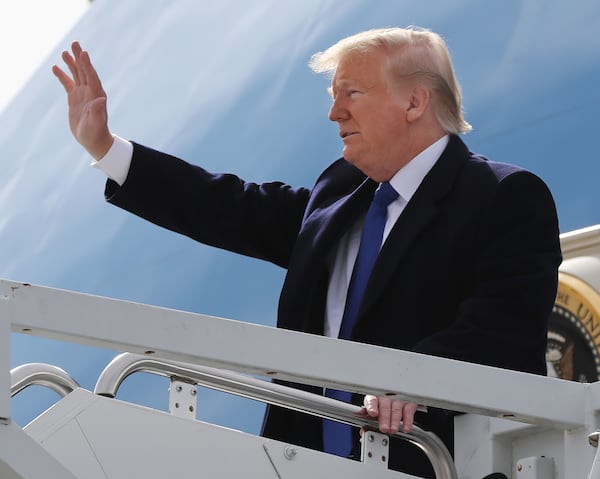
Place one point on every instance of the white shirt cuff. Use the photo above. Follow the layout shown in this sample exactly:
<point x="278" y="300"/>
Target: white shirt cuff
<point x="115" y="164"/>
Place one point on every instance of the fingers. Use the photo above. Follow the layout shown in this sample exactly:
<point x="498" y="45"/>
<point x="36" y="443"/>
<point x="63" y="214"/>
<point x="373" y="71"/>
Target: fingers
<point x="391" y="413"/>
<point x="76" y="48"/>
<point x="72" y="65"/>
<point x="80" y="62"/>
<point x="408" y="416"/>
<point x="371" y="405"/>
<point x="63" y="78"/>
<point x="396" y="415"/>
<point x="83" y="73"/>
<point x="89" y="74"/>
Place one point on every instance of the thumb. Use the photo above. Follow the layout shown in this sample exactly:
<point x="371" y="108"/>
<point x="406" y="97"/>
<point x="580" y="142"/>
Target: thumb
<point x="371" y="404"/>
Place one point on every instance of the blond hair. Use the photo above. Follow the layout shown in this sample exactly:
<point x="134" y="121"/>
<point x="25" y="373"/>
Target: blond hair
<point x="413" y="52"/>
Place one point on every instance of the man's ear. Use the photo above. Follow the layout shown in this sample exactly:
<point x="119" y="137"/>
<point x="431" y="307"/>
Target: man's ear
<point x="418" y="102"/>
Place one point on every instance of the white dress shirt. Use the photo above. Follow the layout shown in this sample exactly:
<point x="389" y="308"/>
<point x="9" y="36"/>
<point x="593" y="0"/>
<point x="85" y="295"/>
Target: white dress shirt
<point x="405" y="182"/>
<point x="115" y="164"/>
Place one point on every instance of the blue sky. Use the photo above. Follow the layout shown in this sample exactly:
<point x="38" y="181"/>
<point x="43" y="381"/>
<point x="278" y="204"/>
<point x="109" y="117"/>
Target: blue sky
<point x="227" y="86"/>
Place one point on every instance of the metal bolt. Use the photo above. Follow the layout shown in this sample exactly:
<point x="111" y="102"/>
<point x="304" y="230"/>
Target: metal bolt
<point x="290" y="452"/>
<point x="382" y="458"/>
<point x="191" y="408"/>
<point x="370" y="437"/>
<point x="178" y="389"/>
<point x="593" y="438"/>
<point x="519" y="467"/>
<point x="384" y="441"/>
<point x="193" y="392"/>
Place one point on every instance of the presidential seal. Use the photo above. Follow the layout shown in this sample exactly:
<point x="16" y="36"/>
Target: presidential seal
<point x="573" y="350"/>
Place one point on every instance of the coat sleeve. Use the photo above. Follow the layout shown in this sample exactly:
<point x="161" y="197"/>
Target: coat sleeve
<point x="221" y="210"/>
<point x="502" y="320"/>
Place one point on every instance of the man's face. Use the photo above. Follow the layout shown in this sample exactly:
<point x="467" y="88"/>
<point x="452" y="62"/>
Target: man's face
<point x="371" y="117"/>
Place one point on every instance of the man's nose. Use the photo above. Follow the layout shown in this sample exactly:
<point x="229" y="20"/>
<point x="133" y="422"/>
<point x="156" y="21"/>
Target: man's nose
<point x="338" y="111"/>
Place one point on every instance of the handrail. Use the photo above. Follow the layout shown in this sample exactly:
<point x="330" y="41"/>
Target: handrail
<point x="41" y="374"/>
<point x="128" y="363"/>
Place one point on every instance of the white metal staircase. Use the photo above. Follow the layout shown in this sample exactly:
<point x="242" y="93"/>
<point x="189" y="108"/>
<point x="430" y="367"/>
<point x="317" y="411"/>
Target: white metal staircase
<point x="518" y="424"/>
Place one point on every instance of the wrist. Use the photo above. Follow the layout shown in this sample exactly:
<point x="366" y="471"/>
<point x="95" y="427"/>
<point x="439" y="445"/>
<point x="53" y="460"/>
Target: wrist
<point x="101" y="148"/>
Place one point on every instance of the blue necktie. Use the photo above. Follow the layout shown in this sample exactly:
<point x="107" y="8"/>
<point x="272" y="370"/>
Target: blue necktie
<point x="337" y="437"/>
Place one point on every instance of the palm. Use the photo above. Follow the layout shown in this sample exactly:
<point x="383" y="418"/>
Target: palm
<point x="86" y="112"/>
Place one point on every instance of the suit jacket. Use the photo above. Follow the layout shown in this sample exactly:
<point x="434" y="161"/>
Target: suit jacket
<point x="469" y="271"/>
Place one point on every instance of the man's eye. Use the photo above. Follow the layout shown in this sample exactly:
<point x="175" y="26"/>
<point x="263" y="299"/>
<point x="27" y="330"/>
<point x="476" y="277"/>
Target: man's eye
<point x="353" y="92"/>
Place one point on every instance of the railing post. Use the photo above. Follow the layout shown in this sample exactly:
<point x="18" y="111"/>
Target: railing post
<point x="182" y="398"/>
<point x="4" y="370"/>
<point x="375" y="449"/>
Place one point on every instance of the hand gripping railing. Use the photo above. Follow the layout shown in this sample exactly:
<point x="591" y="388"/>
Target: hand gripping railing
<point x="125" y="364"/>
<point x="42" y="375"/>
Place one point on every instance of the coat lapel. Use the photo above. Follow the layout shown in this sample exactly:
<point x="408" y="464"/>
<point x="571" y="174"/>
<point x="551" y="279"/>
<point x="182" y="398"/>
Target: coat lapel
<point x="321" y="232"/>
<point x="324" y="227"/>
<point x="418" y="213"/>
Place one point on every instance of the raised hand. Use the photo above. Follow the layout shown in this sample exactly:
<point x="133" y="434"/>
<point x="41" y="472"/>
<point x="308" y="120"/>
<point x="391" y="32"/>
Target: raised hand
<point x="88" y="117"/>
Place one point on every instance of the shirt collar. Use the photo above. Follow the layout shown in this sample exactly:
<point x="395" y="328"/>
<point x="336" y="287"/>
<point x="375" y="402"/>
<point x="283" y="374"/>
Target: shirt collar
<point x="409" y="177"/>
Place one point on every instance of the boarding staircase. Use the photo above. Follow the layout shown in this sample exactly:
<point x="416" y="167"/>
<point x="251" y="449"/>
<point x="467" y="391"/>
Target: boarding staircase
<point x="517" y="425"/>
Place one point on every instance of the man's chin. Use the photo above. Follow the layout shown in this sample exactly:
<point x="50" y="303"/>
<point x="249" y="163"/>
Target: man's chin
<point x="350" y="156"/>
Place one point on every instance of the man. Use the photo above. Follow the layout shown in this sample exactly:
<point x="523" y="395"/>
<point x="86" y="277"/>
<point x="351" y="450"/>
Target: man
<point x="466" y="250"/>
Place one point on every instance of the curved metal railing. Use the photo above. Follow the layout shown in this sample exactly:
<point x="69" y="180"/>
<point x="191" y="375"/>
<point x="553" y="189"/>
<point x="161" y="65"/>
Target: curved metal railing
<point x="41" y="374"/>
<point x="128" y="363"/>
